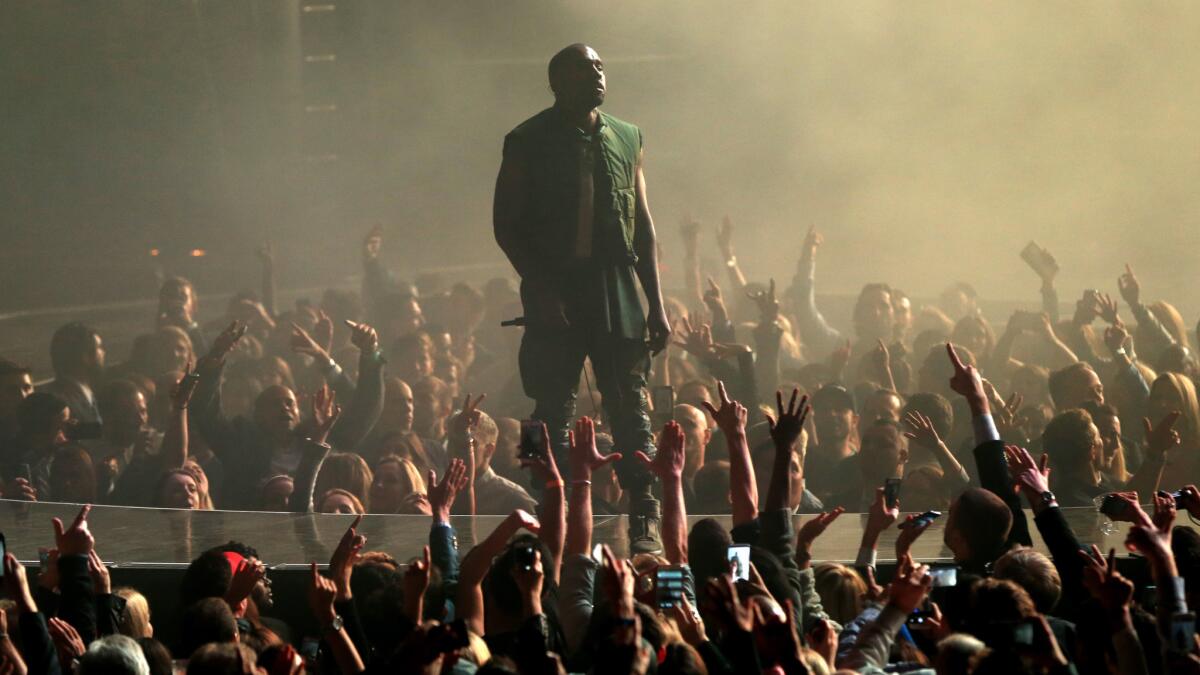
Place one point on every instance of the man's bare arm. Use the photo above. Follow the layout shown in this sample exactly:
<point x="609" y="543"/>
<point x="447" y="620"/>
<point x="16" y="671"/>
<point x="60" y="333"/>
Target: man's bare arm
<point x="645" y="247"/>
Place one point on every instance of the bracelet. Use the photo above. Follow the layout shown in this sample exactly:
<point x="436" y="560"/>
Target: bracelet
<point x="552" y="484"/>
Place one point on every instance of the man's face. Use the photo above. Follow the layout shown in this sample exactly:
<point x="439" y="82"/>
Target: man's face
<point x="882" y="407"/>
<point x="580" y="81"/>
<point x="276" y="410"/>
<point x="13" y="389"/>
<point x="696" y="435"/>
<point x="398" y="406"/>
<point x="873" y="315"/>
<point x="177" y="301"/>
<point x="902" y="315"/>
<point x="131" y="414"/>
<point x="426" y="408"/>
<point x="1084" y="386"/>
<point x="1109" y="427"/>
<point x="834" y="424"/>
<point x="883" y="454"/>
<point x="93" y="358"/>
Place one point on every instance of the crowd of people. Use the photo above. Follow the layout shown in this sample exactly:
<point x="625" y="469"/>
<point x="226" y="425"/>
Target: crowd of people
<point x="365" y="403"/>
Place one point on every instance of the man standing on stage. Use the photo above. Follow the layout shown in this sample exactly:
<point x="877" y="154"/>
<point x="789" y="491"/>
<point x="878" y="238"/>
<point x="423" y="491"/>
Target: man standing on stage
<point x="571" y="215"/>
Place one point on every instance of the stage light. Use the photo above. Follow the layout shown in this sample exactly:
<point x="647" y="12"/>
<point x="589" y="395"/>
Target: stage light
<point x="199" y="253"/>
<point x="153" y="253"/>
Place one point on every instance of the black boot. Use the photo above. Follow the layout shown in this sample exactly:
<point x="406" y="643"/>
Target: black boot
<point x="645" y="531"/>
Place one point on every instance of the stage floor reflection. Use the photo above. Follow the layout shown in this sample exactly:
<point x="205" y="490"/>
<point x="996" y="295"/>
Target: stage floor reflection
<point x="136" y="537"/>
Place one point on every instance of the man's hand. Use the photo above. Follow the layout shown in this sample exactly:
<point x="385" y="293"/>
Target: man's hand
<point x="812" y="241"/>
<point x="543" y="466"/>
<point x="529" y="583"/>
<point x="1100" y="577"/>
<point x="725" y="238"/>
<point x="363" y="337"/>
<point x="908" y="536"/>
<point x="1130" y="510"/>
<point x="809" y="532"/>
<point x="325" y="413"/>
<point x="714" y="301"/>
<point x="76" y="540"/>
<point x="520" y="519"/>
<point x="1154" y="542"/>
<point x="1031" y="478"/>
<point x="416" y="582"/>
<point x="689" y="623"/>
<point x="787" y="427"/>
<point x="1106" y="308"/>
<point x="303" y="343"/>
<point x="724" y="604"/>
<point x="909" y="588"/>
<point x="731" y="416"/>
<point x="921" y="430"/>
<point x="462" y="425"/>
<point x="101" y="581"/>
<point x="660" y="329"/>
<point x="16" y="585"/>
<point x="668" y="461"/>
<point x="1115" y="337"/>
<point x="345" y="557"/>
<point x="20" y="489"/>
<point x="583" y="456"/>
<point x="67" y="642"/>
<point x="225" y="342"/>
<point x="1189" y="500"/>
<point x="1161" y="437"/>
<point x="181" y="393"/>
<point x="1131" y="289"/>
<point x="442" y="495"/>
<point x="768" y="304"/>
<point x="879" y="518"/>
<point x="249" y="572"/>
<point x="967" y="383"/>
<point x="321" y="594"/>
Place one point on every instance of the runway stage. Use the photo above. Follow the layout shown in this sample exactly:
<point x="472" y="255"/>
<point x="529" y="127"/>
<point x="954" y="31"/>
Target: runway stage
<point x="140" y="537"/>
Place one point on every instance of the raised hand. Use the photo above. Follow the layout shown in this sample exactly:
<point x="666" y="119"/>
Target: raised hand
<point x="1130" y="510"/>
<point x="543" y="466"/>
<point x="768" y="304"/>
<point x="325" y="413"/>
<point x="879" y="516"/>
<point x="344" y="558"/>
<point x="76" y="540"/>
<point x="1154" y="541"/>
<point x="713" y="299"/>
<point x="521" y="519"/>
<point x="1106" y="308"/>
<point x="363" y="337"/>
<point x="908" y="536"/>
<point x="1031" y="478"/>
<point x="101" y="581"/>
<point x="619" y="578"/>
<point x="1161" y="437"/>
<point x="967" y="383"/>
<point x="266" y="254"/>
<point x="1007" y="416"/>
<point x="1189" y="500"/>
<point x="921" y="430"/>
<point x="583" y="455"/>
<point x="731" y="416"/>
<point x="812" y="241"/>
<point x="668" y="461"/>
<point x="1100" y="577"/>
<point x="181" y="393"/>
<point x="303" y="343"/>
<point x="463" y="424"/>
<point x="16" y="584"/>
<point x="66" y="639"/>
<point x="881" y="358"/>
<point x="1131" y="289"/>
<point x="725" y="238"/>
<point x="724" y="604"/>
<point x="321" y="593"/>
<point x="909" y="587"/>
<point x="1115" y="337"/>
<point x="789" y="423"/>
<point x="249" y="572"/>
<point x="225" y="341"/>
<point x="442" y="495"/>
<point x="838" y="359"/>
<point x="809" y="532"/>
<point x="415" y="583"/>
<point x="689" y="623"/>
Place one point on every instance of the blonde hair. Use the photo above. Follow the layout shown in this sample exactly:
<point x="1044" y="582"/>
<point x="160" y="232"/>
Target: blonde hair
<point x="355" y="502"/>
<point x="135" y="618"/>
<point x="408" y="470"/>
<point x="345" y="471"/>
<point x="1189" y="407"/>
<point x="1170" y="319"/>
<point x="841" y="590"/>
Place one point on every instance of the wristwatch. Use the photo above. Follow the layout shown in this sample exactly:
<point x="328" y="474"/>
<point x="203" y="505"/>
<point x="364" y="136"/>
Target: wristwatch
<point x="1048" y="499"/>
<point x="336" y="625"/>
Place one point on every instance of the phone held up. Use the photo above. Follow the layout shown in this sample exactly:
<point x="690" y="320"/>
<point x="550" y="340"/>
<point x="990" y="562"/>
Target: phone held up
<point x="533" y="440"/>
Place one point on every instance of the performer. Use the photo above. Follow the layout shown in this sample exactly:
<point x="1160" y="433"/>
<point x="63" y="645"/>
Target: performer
<point x="571" y="214"/>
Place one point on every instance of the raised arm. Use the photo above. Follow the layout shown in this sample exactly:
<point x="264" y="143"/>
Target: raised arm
<point x="767" y="334"/>
<point x="322" y="594"/>
<point x="460" y="439"/>
<point x="725" y="244"/>
<point x="743" y="491"/>
<point x="668" y="466"/>
<point x="266" y="258"/>
<point x="553" y="515"/>
<point x="689" y="231"/>
<point x="584" y="459"/>
<point x="174" y="450"/>
<point x="366" y="404"/>
<point x="478" y="560"/>
<point x="1150" y="328"/>
<point x="786" y="428"/>
<point x="814" y="329"/>
<point x="206" y="412"/>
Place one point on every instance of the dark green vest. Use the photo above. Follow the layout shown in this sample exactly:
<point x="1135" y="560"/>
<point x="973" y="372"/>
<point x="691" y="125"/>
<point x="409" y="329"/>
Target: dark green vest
<point x="547" y="149"/>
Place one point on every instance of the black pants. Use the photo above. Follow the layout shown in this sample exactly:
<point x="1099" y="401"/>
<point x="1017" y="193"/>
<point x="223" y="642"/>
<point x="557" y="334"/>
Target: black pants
<point x="551" y="360"/>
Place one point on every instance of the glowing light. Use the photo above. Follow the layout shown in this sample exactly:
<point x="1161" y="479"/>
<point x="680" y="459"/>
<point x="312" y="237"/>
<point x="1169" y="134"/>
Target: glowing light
<point x="199" y="253"/>
<point x="153" y="253"/>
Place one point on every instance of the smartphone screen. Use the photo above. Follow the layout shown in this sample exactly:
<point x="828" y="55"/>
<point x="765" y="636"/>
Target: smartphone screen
<point x="739" y="558"/>
<point x="891" y="492"/>
<point x="944" y="575"/>
<point x="663" y="399"/>
<point x="668" y="586"/>
<point x="921" y="520"/>
<point x="598" y="553"/>
<point x="532" y="439"/>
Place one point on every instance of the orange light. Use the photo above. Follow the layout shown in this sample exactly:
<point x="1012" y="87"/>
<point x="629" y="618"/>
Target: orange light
<point x="153" y="253"/>
<point x="199" y="253"/>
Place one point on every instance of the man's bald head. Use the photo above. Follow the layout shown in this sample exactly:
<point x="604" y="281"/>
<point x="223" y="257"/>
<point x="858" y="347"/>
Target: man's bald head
<point x="577" y="76"/>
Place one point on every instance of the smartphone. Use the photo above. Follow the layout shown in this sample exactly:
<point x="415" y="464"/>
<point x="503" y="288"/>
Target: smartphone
<point x="1149" y="599"/>
<point x="918" y="617"/>
<point x="921" y="520"/>
<point x="1183" y="632"/>
<point x="944" y="575"/>
<point x="739" y="556"/>
<point x="668" y="586"/>
<point x="1038" y="258"/>
<point x="533" y="438"/>
<point x="525" y="557"/>
<point x="891" y="492"/>
<point x="663" y="399"/>
<point x="598" y="553"/>
<point x="1112" y="506"/>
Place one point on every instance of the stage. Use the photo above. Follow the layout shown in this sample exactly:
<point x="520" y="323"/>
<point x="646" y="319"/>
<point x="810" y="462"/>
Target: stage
<point x="144" y="537"/>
